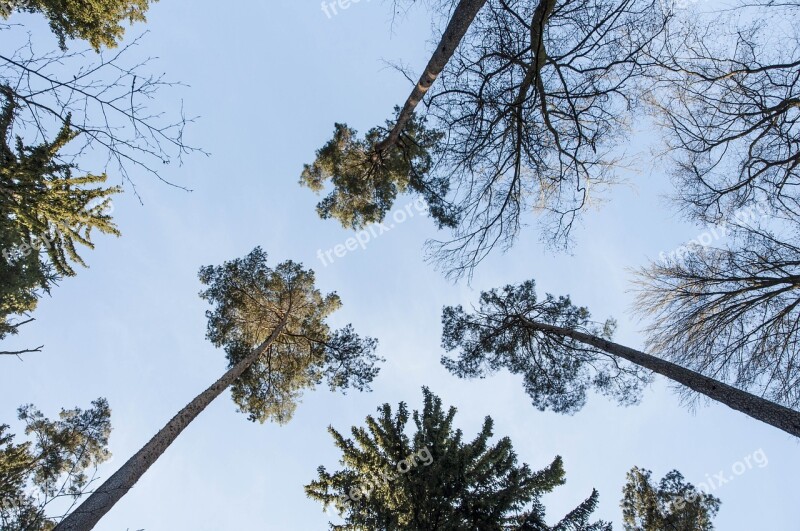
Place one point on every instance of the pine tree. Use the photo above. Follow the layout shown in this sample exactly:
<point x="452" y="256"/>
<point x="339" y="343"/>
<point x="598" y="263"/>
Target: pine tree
<point x="673" y="505"/>
<point x="95" y="21"/>
<point x="367" y="175"/>
<point x="51" y="465"/>
<point x="433" y="479"/>
<point x="562" y="354"/>
<point x="272" y="324"/>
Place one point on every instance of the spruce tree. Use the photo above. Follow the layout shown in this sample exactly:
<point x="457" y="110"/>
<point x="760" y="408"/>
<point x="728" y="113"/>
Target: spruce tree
<point x="46" y="213"/>
<point x="672" y="505"/>
<point x="272" y="324"/>
<point x="433" y="479"/>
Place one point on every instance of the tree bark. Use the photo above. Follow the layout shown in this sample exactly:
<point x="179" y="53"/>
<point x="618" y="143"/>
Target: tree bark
<point x="754" y="406"/>
<point x="88" y="513"/>
<point x="462" y="18"/>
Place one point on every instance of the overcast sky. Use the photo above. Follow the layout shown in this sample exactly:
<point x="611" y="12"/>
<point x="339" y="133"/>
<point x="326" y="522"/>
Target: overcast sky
<point x="269" y="79"/>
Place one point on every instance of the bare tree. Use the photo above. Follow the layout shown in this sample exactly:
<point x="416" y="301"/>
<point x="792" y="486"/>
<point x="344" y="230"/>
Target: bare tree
<point x="103" y="98"/>
<point x="728" y="95"/>
<point x="731" y="313"/>
<point x="532" y="105"/>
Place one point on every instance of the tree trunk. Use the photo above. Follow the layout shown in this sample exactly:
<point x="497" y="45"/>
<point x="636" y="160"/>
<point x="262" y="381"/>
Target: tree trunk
<point x="464" y="14"/>
<point x="88" y="513"/>
<point x="754" y="406"/>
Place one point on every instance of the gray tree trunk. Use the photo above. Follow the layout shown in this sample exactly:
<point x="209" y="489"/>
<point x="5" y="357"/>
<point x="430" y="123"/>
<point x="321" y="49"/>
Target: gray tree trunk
<point x="462" y="18"/>
<point x="88" y="513"/>
<point x="754" y="406"/>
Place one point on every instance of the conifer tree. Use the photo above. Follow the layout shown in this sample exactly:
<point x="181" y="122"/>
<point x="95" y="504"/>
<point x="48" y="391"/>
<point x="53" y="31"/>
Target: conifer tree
<point x="367" y="175"/>
<point x="433" y="479"/>
<point x="46" y="213"/>
<point x="97" y="21"/>
<point x="54" y="464"/>
<point x="672" y="505"/>
<point x="562" y="354"/>
<point x="272" y="324"/>
<point x="527" y="113"/>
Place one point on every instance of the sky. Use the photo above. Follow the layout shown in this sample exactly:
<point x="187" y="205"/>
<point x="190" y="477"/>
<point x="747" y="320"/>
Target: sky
<point x="268" y="81"/>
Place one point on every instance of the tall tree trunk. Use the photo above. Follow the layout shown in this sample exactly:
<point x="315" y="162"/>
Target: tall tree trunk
<point x="464" y="14"/>
<point x="754" y="406"/>
<point x="88" y="513"/>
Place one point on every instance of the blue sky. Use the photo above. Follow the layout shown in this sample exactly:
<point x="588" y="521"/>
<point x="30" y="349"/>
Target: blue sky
<point x="269" y="79"/>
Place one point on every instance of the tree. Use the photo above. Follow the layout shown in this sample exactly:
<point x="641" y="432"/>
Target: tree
<point x="39" y="475"/>
<point x="673" y="505"/>
<point x="45" y="213"/>
<point x="533" y="105"/>
<point x="527" y="112"/>
<point x="562" y="354"/>
<point x="95" y="21"/>
<point x="433" y="479"/>
<point x="368" y="174"/>
<point x="57" y="109"/>
<point x="271" y="323"/>
<point x="727" y="94"/>
<point x="732" y="313"/>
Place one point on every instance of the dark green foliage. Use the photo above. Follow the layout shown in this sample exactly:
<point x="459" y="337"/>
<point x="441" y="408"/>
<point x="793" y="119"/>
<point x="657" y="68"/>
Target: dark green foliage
<point x="673" y="505"/>
<point x="558" y="372"/>
<point x="367" y="175"/>
<point x="95" y="21"/>
<point x="45" y="213"/>
<point x="52" y="465"/>
<point x="251" y="300"/>
<point x="22" y="280"/>
<point x="434" y="479"/>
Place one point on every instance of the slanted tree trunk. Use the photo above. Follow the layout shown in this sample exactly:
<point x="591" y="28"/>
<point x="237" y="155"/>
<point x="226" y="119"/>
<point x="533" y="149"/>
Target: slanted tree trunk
<point x="462" y="18"/>
<point x="754" y="406"/>
<point x="88" y="513"/>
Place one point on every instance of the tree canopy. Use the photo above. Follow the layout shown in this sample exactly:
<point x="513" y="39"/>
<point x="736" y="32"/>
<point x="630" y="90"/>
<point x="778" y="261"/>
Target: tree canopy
<point x="557" y="372"/>
<point x="99" y="22"/>
<point x="732" y="312"/>
<point x="46" y="213"/>
<point x="434" y="479"/>
<point x="673" y="504"/>
<point x="252" y="300"/>
<point x="44" y="476"/>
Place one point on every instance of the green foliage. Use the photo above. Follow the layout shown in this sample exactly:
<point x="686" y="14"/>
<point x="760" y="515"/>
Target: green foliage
<point x="251" y="300"/>
<point x="558" y="372"/>
<point x="674" y="504"/>
<point x="95" y="21"/>
<point x="368" y="175"/>
<point x="22" y="280"/>
<point x="51" y="465"/>
<point x="433" y="479"/>
<point x="45" y="213"/>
